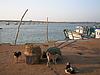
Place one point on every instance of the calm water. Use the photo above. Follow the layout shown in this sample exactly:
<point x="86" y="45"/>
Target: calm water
<point x="35" y="33"/>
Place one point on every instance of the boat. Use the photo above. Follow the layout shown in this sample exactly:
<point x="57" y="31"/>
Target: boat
<point x="0" y="28"/>
<point x="79" y="29"/>
<point x="74" y="35"/>
<point x="97" y="33"/>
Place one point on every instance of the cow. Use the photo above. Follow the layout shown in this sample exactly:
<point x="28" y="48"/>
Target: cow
<point x="51" y="56"/>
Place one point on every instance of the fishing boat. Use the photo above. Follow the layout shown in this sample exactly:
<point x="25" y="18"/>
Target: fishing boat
<point x="74" y="35"/>
<point x="0" y="28"/>
<point x="77" y="34"/>
<point x="79" y="29"/>
<point x="97" y="33"/>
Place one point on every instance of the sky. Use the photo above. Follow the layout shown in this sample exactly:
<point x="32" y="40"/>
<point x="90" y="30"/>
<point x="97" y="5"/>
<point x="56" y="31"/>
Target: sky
<point x="55" y="10"/>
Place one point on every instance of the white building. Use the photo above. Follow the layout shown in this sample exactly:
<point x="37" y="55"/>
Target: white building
<point x="97" y="33"/>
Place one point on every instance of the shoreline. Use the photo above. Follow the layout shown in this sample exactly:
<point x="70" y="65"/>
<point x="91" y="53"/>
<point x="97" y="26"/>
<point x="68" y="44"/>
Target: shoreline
<point x="83" y="54"/>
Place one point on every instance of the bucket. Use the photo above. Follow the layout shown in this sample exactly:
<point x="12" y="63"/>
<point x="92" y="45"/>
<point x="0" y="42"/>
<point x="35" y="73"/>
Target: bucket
<point x="32" y="59"/>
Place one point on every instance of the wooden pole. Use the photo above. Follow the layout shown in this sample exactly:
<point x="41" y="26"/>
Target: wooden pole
<point x="19" y="26"/>
<point x="47" y="28"/>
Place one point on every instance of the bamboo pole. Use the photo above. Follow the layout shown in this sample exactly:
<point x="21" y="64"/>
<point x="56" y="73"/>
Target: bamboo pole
<point x="19" y="26"/>
<point x="47" y="28"/>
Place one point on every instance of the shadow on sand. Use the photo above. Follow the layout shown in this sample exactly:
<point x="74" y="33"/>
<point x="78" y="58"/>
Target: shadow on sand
<point x="87" y="69"/>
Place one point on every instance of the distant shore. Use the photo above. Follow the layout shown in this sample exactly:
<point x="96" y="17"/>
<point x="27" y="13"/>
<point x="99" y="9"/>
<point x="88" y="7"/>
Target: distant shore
<point x="49" y="21"/>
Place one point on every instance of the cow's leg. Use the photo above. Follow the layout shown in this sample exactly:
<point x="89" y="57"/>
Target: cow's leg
<point x="55" y="58"/>
<point x="55" y="61"/>
<point x="48" y="62"/>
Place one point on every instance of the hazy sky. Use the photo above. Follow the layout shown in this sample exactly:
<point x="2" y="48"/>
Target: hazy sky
<point x="55" y="10"/>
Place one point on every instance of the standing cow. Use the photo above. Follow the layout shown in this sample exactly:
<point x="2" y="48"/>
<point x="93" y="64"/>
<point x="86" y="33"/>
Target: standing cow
<point x="53" y="54"/>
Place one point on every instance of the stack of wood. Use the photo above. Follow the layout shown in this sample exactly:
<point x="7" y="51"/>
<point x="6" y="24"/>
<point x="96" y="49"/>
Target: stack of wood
<point x="32" y="53"/>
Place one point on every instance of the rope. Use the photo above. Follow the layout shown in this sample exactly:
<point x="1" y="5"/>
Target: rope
<point x="54" y="70"/>
<point x="63" y="60"/>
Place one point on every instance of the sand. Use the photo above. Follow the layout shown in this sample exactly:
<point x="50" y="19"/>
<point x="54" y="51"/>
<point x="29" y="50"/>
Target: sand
<point x="82" y="54"/>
